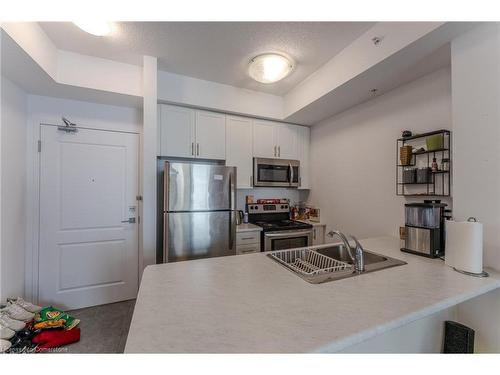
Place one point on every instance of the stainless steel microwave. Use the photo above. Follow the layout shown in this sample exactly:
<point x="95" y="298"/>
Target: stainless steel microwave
<point x="276" y="172"/>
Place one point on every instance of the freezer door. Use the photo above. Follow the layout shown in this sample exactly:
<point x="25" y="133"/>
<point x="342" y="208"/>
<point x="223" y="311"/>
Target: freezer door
<point x="199" y="187"/>
<point x="195" y="235"/>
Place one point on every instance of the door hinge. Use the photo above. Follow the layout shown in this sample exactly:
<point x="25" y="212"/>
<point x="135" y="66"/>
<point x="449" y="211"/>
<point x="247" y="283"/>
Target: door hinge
<point x="39" y="146"/>
<point x="138" y="197"/>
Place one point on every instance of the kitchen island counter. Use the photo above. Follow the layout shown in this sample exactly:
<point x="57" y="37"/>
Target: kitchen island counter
<point x="251" y="304"/>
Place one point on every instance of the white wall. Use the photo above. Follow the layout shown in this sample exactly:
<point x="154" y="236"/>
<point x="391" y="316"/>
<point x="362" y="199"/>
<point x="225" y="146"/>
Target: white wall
<point x="178" y="89"/>
<point x="13" y="191"/>
<point x="148" y="173"/>
<point x="421" y="336"/>
<point x="294" y="195"/>
<point x="475" y="61"/>
<point x="353" y="155"/>
<point x="49" y="110"/>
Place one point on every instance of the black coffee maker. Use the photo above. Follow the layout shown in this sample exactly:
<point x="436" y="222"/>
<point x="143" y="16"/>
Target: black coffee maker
<point x="424" y="228"/>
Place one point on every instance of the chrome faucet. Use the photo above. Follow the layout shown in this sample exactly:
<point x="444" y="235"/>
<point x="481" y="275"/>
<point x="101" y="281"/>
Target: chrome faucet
<point x="358" y="258"/>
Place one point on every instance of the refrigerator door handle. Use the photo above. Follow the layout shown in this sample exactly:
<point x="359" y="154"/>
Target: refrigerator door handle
<point x="232" y="229"/>
<point x="165" y="238"/>
<point x="166" y="186"/>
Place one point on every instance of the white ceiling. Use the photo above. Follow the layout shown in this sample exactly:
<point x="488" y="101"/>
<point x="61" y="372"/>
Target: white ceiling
<point x="215" y="51"/>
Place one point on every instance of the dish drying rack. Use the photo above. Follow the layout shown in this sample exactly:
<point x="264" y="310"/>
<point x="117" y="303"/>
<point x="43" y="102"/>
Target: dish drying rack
<point x="308" y="262"/>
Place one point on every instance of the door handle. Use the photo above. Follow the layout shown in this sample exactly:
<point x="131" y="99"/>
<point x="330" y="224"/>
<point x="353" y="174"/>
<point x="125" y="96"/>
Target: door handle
<point x="131" y="220"/>
<point x="192" y="148"/>
<point x="274" y="151"/>
<point x="279" y="151"/>
<point x="288" y="234"/>
<point x="198" y="149"/>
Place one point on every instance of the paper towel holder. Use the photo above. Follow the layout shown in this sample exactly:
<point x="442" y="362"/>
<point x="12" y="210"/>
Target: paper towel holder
<point x="481" y="274"/>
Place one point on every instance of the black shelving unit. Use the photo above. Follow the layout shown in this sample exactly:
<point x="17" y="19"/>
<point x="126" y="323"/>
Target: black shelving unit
<point x="440" y="178"/>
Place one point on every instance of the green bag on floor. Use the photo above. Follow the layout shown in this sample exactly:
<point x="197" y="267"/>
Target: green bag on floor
<point x="51" y="313"/>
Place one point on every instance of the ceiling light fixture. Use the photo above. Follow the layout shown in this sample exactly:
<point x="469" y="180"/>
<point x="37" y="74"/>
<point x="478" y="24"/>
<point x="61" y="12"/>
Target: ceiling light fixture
<point x="97" y="28"/>
<point x="270" y="67"/>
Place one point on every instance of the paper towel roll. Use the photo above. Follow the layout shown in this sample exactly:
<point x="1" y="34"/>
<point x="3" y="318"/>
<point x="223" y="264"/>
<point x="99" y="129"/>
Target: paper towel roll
<point x="464" y="245"/>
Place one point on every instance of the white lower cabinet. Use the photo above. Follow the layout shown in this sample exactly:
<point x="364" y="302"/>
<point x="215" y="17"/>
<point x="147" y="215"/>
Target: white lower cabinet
<point x="319" y="234"/>
<point x="247" y="242"/>
<point x="239" y="151"/>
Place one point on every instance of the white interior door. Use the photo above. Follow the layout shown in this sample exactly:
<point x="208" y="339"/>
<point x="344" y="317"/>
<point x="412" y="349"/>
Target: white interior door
<point x="88" y="187"/>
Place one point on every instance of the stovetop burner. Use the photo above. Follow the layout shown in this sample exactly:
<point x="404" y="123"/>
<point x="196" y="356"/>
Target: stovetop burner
<point x="282" y="225"/>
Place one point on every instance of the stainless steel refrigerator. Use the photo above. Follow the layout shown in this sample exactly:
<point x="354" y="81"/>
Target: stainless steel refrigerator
<point x="199" y="211"/>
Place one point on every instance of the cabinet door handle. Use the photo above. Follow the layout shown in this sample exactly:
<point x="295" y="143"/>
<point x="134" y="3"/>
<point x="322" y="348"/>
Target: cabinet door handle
<point x="247" y="238"/>
<point x="198" y="149"/>
<point x="279" y="151"/>
<point x="314" y="234"/>
<point x="274" y="151"/>
<point x="192" y="148"/>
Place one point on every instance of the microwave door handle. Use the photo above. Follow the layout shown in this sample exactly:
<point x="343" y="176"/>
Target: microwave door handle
<point x="291" y="174"/>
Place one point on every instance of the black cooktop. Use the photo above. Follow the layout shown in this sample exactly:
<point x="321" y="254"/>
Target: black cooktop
<point x="269" y="226"/>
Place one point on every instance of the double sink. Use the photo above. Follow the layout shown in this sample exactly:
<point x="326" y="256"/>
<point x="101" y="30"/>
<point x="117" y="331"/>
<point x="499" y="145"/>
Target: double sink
<point x="330" y="262"/>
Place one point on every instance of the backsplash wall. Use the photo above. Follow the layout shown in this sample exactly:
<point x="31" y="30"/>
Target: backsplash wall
<point x="294" y="195"/>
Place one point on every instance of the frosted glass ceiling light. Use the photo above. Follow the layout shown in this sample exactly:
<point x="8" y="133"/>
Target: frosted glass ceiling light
<point x="269" y="68"/>
<point x="97" y="28"/>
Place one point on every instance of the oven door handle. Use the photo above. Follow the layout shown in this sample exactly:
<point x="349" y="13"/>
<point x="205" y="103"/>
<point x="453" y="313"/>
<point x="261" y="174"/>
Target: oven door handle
<point x="288" y="234"/>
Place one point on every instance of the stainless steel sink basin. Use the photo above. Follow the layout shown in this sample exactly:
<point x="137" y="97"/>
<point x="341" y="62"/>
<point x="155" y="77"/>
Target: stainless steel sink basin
<point x="329" y="262"/>
<point x="339" y="252"/>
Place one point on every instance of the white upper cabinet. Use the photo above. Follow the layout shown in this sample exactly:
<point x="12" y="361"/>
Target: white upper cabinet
<point x="264" y="145"/>
<point x="274" y="140"/>
<point x="303" y="150"/>
<point x="239" y="135"/>
<point x="210" y="135"/>
<point x="190" y="133"/>
<point x="177" y="131"/>
<point x="285" y="137"/>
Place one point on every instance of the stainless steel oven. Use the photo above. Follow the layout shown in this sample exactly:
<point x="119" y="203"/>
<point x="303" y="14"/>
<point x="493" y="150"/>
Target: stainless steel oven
<point x="287" y="239"/>
<point x="276" y="172"/>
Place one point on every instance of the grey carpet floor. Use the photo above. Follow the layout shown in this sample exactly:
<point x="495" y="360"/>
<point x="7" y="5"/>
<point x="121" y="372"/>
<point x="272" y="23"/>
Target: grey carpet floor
<point x="103" y="328"/>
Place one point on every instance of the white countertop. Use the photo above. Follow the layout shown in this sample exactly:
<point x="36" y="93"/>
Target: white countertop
<point x="248" y="304"/>
<point x="247" y="228"/>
